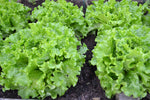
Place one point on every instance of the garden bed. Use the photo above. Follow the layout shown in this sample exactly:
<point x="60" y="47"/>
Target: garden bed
<point x="88" y="86"/>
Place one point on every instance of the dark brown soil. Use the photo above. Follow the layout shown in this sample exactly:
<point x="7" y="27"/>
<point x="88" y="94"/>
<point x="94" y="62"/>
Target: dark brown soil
<point x="88" y="86"/>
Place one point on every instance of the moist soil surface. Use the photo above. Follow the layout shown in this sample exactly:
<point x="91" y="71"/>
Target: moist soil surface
<point x="88" y="86"/>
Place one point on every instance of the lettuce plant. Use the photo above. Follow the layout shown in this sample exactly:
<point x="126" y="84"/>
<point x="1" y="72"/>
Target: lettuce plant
<point x="64" y="12"/>
<point x="122" y="57"/>
<point x="13" y="17"/>
<point x="111" y="14"/>
<point x="122" y="53"/>
<point x="41" y="61"/>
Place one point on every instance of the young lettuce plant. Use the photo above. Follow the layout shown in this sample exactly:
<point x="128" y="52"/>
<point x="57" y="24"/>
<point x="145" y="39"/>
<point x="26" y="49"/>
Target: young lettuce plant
<point x="41" y="61"/>
<point x="122" y="57"/>
<point x="64" y="12"/>
<point x="13" y="17"/>
<point x="111" y="14"/>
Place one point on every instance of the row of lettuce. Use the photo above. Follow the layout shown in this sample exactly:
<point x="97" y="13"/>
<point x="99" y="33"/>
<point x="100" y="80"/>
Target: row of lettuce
<point x="41" y="53"/>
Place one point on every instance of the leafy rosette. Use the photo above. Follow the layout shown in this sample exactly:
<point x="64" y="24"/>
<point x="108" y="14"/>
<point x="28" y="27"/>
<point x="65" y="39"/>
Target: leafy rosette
<point x="41" y="61"/>
<point x="61" y="11"/>
<point x="111" y="14"/>
<point x="122" y="57"/>
<point x="13" y="17"/>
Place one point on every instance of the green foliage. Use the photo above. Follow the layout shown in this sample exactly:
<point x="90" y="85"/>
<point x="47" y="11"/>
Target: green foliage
<point x="13" y="17"/>
<point x="146" y="17"/>
<point x="122" y="57"/>
<point x="1" y="41"/>
<point x="113" y="14"/>
<point x="64" y="12"/>
<point x="41" y="61"/>
<point x="122" y="53"/>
